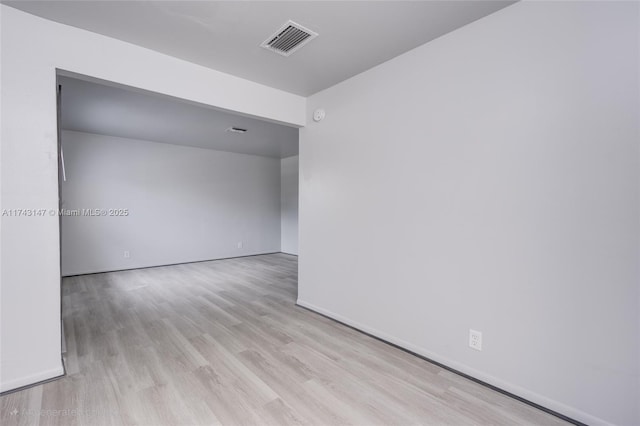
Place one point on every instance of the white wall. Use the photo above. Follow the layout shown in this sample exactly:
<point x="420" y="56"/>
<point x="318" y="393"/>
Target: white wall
<point x="31" y="49"/>
<point x="289" y="205"/>
<point x="184" y="204"/>
<point x="490" y="180"/>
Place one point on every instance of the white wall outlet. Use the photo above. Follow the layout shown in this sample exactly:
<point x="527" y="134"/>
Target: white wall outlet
<point x="239" y="244"/>
<point x="475" y="340"/>
<point x="127" y="255"/>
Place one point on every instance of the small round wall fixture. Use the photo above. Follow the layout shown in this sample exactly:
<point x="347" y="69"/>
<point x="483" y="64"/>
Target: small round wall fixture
<point x="319" y="114"/>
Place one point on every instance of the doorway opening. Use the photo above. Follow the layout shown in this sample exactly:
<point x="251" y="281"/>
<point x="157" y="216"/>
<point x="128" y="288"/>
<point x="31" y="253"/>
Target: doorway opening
<point x="148" y="181"/>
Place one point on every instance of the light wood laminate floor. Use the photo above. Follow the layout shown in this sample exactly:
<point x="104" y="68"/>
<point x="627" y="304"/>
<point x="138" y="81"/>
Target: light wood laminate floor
<point x="222" y="342"/>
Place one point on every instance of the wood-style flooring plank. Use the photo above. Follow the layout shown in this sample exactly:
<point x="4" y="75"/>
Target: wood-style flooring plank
<point x="222" y="343"/>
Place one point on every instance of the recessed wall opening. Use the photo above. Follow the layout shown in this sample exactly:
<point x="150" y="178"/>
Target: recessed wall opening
<point x="148" y="181"/>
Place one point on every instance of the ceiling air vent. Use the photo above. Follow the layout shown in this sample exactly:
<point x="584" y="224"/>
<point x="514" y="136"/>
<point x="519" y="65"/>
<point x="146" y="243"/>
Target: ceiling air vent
<point x="289" y="38"/>
<point x="236" y="130"/>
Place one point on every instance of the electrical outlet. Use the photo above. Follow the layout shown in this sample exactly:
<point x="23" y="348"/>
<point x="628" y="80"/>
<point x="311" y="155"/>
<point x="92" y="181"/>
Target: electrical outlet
<point x="239" y="244"/>
<point x="127" y="255"/>
<point x="475" y="340"/>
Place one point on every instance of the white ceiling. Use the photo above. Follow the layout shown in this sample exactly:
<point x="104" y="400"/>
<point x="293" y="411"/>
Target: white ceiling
<point x="354" y="35"/>
<point x="108" y="110"/>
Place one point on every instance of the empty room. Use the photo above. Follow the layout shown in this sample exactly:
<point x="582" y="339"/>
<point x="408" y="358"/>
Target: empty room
<point x="320" y="212"/>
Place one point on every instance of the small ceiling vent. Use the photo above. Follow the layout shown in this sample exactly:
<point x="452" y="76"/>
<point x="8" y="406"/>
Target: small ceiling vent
<point x="289" y="38"/>
<point x="236" y="130"/>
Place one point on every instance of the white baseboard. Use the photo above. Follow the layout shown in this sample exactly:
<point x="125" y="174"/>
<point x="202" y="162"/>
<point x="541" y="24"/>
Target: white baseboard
<point x="541" y="400"/>
<point x="31" y="379"/>
<point x="67" y="274"/>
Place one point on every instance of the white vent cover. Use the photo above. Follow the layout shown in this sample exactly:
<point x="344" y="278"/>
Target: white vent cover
<point x="289" y="38"/>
